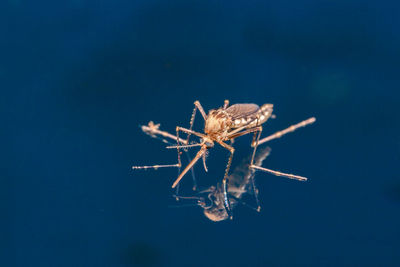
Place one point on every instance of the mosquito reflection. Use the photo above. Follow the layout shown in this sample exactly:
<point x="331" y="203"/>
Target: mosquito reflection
<point x="213" y="199"/>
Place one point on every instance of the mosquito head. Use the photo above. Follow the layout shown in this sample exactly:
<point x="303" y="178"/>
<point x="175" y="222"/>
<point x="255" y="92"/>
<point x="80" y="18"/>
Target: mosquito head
<point x="207" y="142"/>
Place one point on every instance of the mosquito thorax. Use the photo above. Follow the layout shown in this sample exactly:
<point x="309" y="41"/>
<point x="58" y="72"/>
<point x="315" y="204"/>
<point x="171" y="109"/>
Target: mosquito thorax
<point x="217" y="123"/>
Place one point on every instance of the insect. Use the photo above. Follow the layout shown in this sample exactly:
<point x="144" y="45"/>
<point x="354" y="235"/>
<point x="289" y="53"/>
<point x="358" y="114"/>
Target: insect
<point x="222" y="124"/>
<point x="226" y="124"/>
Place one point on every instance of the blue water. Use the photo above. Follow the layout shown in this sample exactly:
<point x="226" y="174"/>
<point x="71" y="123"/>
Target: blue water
<point x="79" y="77"/>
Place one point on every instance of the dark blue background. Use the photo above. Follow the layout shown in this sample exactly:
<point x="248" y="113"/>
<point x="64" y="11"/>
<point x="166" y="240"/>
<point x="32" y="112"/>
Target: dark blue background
<point x="78" y="77"/>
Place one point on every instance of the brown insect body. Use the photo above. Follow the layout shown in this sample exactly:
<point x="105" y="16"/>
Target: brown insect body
<point x="223" y="121"/>
<point x="223" y="124"/>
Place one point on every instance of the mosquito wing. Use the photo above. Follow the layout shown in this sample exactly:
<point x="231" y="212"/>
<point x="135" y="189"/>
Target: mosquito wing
<point x="239" y="111"/>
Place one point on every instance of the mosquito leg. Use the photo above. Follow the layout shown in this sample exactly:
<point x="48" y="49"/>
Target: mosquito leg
<point x="245" y="204"/>
<point x="256" y="144"/>
<point x="179" y="161"/>
<point x="197" y="134"/>
<point x="287" y="130"/>
<point x="191" y="124"/>
<point x="153" y="130"/>
<point x="255" y="190"/>
<point x="178" y="187"/>
<point x="193" y="175"/>
<point x="155" y="166"/>
<point x="197" y="106"/>
<point x="194" y="188"/>
<point x="225" y="180"/>
<point x="290" y="176"/>
<point x="227" y="203"/>
<point x="177" y="147"/>
<point x="226" y="103"/>
<point x="252" y="130"/>
<point x="282" y="174"/>
<point x="235" y="135"/>
<point x="232" y="150"/>
<point x="200" y="107"/>
<point x="237" y="130"/>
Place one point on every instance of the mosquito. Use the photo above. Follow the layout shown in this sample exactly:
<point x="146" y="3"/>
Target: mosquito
<point x="222" y="124"/>
<point x="226" y="124"/>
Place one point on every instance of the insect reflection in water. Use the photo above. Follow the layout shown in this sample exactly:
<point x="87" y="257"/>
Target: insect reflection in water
<point x="240" y="182"/>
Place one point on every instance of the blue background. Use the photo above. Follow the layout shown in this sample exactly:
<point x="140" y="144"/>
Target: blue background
<point x="79" y="77"/>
